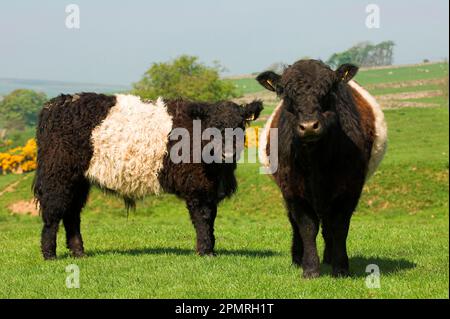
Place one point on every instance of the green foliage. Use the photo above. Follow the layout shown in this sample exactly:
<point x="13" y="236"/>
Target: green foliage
<point x="184" y="77"/>
<point x="20" y="108"/>
<point x="278" y="67"/>
<point x="365" y="54"/>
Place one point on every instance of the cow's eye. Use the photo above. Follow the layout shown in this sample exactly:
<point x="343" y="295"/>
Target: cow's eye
<point x="289" y="104"/>
<point x="325" y="102"/>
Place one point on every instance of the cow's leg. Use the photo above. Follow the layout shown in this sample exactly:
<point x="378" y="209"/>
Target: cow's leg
<point x="203" y="214"/>
<point x="54" y="202"/>
<point x="308" y="226"/>
<point x="49" y="232"/>
<point x="328" y="238"/>
<point x="71" y="218"/>
<point x="339" y="225"/>
<point x="297" y="244"/>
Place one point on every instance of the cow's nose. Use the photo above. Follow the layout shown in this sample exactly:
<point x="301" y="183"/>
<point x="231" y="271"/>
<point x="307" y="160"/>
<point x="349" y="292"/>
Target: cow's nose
<point x="310" y="128"/>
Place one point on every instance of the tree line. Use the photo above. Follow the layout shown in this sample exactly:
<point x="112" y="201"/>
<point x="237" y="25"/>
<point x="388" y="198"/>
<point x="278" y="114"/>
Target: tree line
<point x="19" y="109"/>
<point x="365" y="54"/>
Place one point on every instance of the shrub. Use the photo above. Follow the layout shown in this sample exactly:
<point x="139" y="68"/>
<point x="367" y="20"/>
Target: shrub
<point x="186" y="78"/>
<point x="20" y="108"/>
<point x="19" y="159"/>
<point x="251" y="137"/>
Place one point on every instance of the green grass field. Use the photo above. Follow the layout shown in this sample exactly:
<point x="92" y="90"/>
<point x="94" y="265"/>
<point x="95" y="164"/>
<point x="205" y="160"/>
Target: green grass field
<point x="401" y="225"/>
<point x="403" y="73"/>
<point x="375" y="76"/>
<point x="247" y="85"/>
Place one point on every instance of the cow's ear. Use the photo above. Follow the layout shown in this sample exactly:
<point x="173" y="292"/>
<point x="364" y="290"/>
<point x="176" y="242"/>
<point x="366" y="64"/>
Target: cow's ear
<point x="346" y="72"/>
<point x="198" y="111"/>
<point x="252" y="110"/>
<point x="270" y="80"/>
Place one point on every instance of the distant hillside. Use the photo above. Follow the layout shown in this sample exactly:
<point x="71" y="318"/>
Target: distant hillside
<point x="246" y="83"/>
<point x="54" y="88"/>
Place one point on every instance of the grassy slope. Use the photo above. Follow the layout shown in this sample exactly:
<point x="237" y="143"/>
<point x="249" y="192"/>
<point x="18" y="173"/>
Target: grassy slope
<point x="401" y="225"/>
<point x="406" y="89"/>
<point x="408" y="73"/>
<point x="370" y="77"/>
<point x="247" y="85"/>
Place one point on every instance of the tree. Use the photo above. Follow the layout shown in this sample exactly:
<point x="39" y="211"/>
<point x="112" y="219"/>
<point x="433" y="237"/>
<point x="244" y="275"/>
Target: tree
<point x="184" y="77"/>
<point x="277" y="67"/>
<point x="365" y="54"/>
<point x="20" y="108"/>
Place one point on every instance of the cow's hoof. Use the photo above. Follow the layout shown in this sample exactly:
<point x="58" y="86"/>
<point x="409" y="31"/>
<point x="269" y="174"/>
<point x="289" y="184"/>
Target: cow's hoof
<point x="310" y="274"/>
<point x="48" y="256"/>
<point x="78" y="254"/>
<point x="326" y="260"/>
<point x="296" y="261"/>
<point x="207" y="254"/>
<point x="340" y="273"/>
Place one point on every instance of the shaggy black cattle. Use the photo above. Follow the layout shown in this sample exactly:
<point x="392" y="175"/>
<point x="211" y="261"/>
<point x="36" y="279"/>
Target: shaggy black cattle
<point x="331" y="138"/>
<point x="124" y="146"/>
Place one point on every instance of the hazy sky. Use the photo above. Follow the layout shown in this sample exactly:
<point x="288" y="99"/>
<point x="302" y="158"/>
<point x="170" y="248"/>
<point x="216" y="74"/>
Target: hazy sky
<point x="118" y="40"/>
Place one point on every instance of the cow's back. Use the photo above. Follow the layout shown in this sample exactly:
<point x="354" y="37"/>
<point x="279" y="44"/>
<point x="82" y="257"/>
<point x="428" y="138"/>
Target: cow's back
<point x="129" y="147"/>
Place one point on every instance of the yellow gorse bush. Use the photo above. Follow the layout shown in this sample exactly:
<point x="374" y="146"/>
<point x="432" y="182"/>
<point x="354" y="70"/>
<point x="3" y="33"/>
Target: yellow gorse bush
<point x="251" y="137"/>
<point x="19" y="159"/>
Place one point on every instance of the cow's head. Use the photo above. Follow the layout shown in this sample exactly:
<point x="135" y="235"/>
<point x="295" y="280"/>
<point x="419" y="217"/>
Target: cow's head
<point x="310" y="92"/>
<point x="226" y="117"/>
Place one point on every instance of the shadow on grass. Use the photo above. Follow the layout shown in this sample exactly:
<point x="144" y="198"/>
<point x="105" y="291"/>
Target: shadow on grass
<point x="387" y="266"/>
<point x="183" y="252"/>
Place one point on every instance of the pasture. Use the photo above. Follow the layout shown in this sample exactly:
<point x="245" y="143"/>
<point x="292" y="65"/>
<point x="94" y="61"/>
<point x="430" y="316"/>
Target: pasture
<point x="401" y="225"/>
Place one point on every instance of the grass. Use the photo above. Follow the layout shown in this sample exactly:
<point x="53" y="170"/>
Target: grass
<point x="246" y="85"/>
<point x="405" y="89"/>
<point x="404" y="73"/>
<point x="401" y="225"/>
<point x="439" y="100"/>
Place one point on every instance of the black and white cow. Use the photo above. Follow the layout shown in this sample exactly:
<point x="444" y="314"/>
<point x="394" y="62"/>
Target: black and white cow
<point x="122" y="144"/>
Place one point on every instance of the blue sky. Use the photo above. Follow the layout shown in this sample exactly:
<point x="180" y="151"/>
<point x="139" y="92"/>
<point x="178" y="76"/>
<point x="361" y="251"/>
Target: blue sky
<point x="118" y="40"/>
